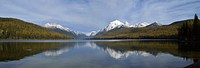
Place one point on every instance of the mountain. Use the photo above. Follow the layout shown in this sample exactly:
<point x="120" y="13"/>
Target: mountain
<point x="179" y="23"/>
<point x="11" y="28"/>
<point x="54" y="26"/>
<point x="92" y="33"/>
<point x="150" y="31"/>
<point x="63" y="30"/>
<point x="112" y="26"/>
<point x="139" y="25"/>
<point x="154" y="24"/>
<point x="116" y="24"/>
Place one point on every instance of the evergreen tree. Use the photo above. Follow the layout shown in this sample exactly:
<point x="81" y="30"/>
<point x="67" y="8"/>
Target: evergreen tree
<point x="190" y="31"/>
<point x="195" y="26"/>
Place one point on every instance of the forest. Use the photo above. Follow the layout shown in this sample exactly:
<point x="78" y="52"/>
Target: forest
<point x="11" y="28"/>
<point x="157" y="32"/>
<point x="182" y="30"/>
<point x="185" y="30"/>
<point x="190" y="31"/>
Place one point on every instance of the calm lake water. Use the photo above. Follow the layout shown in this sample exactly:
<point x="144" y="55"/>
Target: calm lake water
<point x="95" y="54"/>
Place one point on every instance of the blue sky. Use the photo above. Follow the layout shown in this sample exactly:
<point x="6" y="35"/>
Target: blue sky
<point x="90" y="15"/>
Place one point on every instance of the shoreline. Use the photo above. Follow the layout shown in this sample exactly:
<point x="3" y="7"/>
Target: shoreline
<point x="81" y="40"/>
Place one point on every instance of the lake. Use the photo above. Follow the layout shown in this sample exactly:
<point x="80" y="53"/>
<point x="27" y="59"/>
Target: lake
<point x="96" y="54"/>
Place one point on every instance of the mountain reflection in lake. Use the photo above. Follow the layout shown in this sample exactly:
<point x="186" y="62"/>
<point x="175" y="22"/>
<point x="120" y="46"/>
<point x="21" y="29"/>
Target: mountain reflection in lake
<point x="96" y="54"/>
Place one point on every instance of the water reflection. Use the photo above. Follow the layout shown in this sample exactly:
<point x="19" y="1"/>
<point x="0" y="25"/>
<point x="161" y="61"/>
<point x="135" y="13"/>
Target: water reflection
<point x="59" y="50"/>
<point x="123" y="49"/>
<point x="17" y="51"/>
<point x="153" y="48"/>
<point x="90" y="51"/>
<point x="118" y="54"/>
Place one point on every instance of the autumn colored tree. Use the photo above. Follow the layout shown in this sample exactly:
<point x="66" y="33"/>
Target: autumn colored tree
<point x="11" y="28"/>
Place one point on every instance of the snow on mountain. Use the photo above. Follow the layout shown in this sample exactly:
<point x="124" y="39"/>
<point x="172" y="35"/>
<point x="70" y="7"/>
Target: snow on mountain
<point x="139" y="25"/>
<point x="119" y="24"/>
<point x="155" y="24"/>
<point x="55" y="25"/>
<point x="112" y="25"/>
<point x="116" y="24"/>
<point x="92" y="33"/>
<point x="63" y="30"/>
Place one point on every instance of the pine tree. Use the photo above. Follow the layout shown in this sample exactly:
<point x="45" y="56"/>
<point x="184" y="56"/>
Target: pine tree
<point x="195" y="26"/>
<point x="190" y="31"/>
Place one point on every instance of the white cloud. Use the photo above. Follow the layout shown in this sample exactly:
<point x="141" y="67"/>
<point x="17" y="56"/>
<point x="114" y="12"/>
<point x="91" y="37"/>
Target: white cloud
<point x="89" y="15"/>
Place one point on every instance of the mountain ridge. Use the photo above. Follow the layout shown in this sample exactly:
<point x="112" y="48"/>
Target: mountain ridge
<point x="115" y="29"/>
<point x="116" y="24"/>
<point x="12" y="28"/>
<point x="63" y="30"/>
<point x="153" y="31"/>
<point x="113" y="25"/>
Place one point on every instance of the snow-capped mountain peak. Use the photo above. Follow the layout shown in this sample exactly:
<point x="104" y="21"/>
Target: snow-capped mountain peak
<point x="63" y="30"/>
<point x="116" y="24"/>
<point x="55" y="25"/>
<point x="112" y="25"/>
<point x="155" y="24"/>
<point x="144" y="24"/>
<point x="92" y="33"/>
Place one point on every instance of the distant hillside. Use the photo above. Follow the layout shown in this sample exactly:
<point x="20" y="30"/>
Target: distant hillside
<point x="159" y="32"/>
<point x="64" y="30"/>
<point x="11" y="28"/>
<point x="179" y="23"/>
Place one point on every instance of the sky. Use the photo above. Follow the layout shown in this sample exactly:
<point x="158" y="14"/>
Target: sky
<point x="92" y="15"/>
